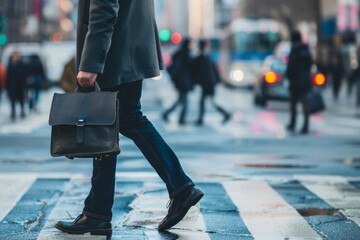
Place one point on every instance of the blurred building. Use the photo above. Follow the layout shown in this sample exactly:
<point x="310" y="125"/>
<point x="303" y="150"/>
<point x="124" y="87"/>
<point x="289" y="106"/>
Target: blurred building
<point x="54" y="20"/>
<point x="206" y="17"/>
<point x="326" y="17"/>
<point x="172" y="15"/>
<point x="38" y="20"/>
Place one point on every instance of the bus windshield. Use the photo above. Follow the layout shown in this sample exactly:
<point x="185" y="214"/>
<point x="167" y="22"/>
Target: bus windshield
<point x="254" y="42"/>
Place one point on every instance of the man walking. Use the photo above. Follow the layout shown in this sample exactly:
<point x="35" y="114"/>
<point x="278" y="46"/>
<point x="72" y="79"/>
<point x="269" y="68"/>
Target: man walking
<point x="207" y="76"/>
<point x="181" y="76"/>
<point x="16" y="84"/>
<point x="118" y="47"/>
<point x="299" y="74"/>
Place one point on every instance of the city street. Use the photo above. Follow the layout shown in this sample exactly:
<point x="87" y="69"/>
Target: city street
<point x="260" y="182"/>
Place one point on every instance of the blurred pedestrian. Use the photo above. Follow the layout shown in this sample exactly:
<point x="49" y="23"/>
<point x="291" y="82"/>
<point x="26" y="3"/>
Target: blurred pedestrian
<point x="299" y="74"/>
<point x="2" y="80"/>
<point x="336" y="68"/>
<point x="35" y="80"/>
<point x="117" y="47"/>
<point x="16" y="83"/>
<point x="207" y="76"/>
<point x="181" y="76"/>
<point x="355" y="78"/>
<point x="68" y="77"/>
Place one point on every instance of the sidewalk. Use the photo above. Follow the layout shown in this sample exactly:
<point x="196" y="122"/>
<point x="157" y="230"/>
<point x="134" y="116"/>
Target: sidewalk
<point x="344" y="106"/>
<point x="32" y="121"/>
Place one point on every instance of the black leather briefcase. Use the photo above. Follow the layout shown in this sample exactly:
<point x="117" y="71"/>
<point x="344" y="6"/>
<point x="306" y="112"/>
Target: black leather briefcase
<point x="85" y="124"/>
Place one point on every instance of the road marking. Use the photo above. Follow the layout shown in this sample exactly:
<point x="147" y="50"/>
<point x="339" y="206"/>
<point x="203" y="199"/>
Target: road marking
<point x="13" y="188"/>
<point x="315" y="211"/>
<point x="337" y="192"/>
<point x="67" y="208"/>
<point x="266" y="214"/>
<point x="29" y="214"/>
<point x="136" y="175"/>
<point x="220" y="214"/>
<point x="56" y="175"/>
<point x="264" y="211"/>
<point x="149" y="208"/>
<point x="73" y="237"/>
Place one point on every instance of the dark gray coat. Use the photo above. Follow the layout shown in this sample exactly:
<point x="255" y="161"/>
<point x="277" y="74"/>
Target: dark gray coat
<point x="299" y="70"/>
<point x="206" y="74"/>
<point x="119" y="40"/>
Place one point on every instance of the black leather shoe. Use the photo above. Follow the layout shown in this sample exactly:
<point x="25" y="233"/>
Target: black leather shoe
<point x="179" y="206"/>
<point x="84" y="224"/>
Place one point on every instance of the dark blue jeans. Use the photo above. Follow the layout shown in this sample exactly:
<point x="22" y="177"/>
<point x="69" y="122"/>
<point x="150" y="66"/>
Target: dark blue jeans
<point x="134" y="125"/>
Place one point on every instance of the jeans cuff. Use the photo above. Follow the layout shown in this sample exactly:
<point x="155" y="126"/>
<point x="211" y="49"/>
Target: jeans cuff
<point x="97" y="216"/>
<point x="178" y="192"/>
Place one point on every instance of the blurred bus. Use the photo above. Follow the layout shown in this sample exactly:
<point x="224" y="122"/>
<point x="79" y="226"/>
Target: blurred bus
<point x="215" y="43"/>
<point x="244" y="46"/>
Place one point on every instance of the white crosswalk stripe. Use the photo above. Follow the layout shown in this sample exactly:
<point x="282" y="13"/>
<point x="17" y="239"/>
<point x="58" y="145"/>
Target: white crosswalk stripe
<point x="266" y="214"/>
<point x="68" y="207"/>
<point x="148" y="215"/>
<point x="337" y="192"/>
<point x="263" y="210"/>
<point x="12" y="188"/>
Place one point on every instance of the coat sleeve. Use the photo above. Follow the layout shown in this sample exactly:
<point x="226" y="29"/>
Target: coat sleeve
<point x="102" y="18"/>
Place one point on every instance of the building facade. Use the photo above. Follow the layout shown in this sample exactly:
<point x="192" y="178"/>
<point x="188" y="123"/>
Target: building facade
<point x="38" y="20"/>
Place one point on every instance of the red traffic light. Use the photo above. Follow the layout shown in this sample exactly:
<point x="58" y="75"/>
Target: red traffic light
<point x="176" y="38"/>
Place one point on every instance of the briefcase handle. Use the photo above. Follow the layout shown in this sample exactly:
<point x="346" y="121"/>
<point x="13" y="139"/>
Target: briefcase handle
<point x="96" y="88"/>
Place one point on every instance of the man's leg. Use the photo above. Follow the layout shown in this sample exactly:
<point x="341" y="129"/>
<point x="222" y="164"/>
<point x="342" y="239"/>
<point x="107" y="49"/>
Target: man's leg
<point x="134" y="125"/>
<point x="292" y="123"/>
<point x="22" y="107"/>
<point x="183" y="111"/>
<point x="100" y="200"/>
<point x="137" y="127"/>
<point x="13" y="109"/>
<point x="305" y="105"/>
<point x="166" y="114"/>
<point x="200" y="120"/>
<point x="226" y="115"/>
<point x="96" y="216"/>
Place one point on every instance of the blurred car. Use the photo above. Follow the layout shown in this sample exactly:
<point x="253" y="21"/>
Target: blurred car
<point x="273" y="84"/>
<point x="282" y="50"/>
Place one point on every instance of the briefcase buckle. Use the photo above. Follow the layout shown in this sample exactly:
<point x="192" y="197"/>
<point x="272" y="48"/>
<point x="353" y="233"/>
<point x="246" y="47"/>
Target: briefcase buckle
<point x="80" y="131"/>
<point x="80" y="123"/>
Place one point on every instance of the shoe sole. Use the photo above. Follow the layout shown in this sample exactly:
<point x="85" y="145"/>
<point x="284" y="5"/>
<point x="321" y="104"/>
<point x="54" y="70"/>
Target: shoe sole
<point x="192" y="201"/>
<point x="106" y="232"/>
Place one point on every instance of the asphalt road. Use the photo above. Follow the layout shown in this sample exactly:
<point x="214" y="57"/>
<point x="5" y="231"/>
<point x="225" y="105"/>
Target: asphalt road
<point x="260" y="182"/>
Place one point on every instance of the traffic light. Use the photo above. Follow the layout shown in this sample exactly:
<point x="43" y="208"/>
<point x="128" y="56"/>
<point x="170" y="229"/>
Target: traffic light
<point x="176" y="38"/>
<point x="166" y="36"/>
<point x="3" y="37"/>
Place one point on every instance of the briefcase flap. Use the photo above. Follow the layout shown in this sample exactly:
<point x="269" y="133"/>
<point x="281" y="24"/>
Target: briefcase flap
<point x="94" y="108"/>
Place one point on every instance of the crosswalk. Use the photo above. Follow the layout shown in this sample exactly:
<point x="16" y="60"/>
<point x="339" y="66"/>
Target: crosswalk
<point x="304" y="207"/>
